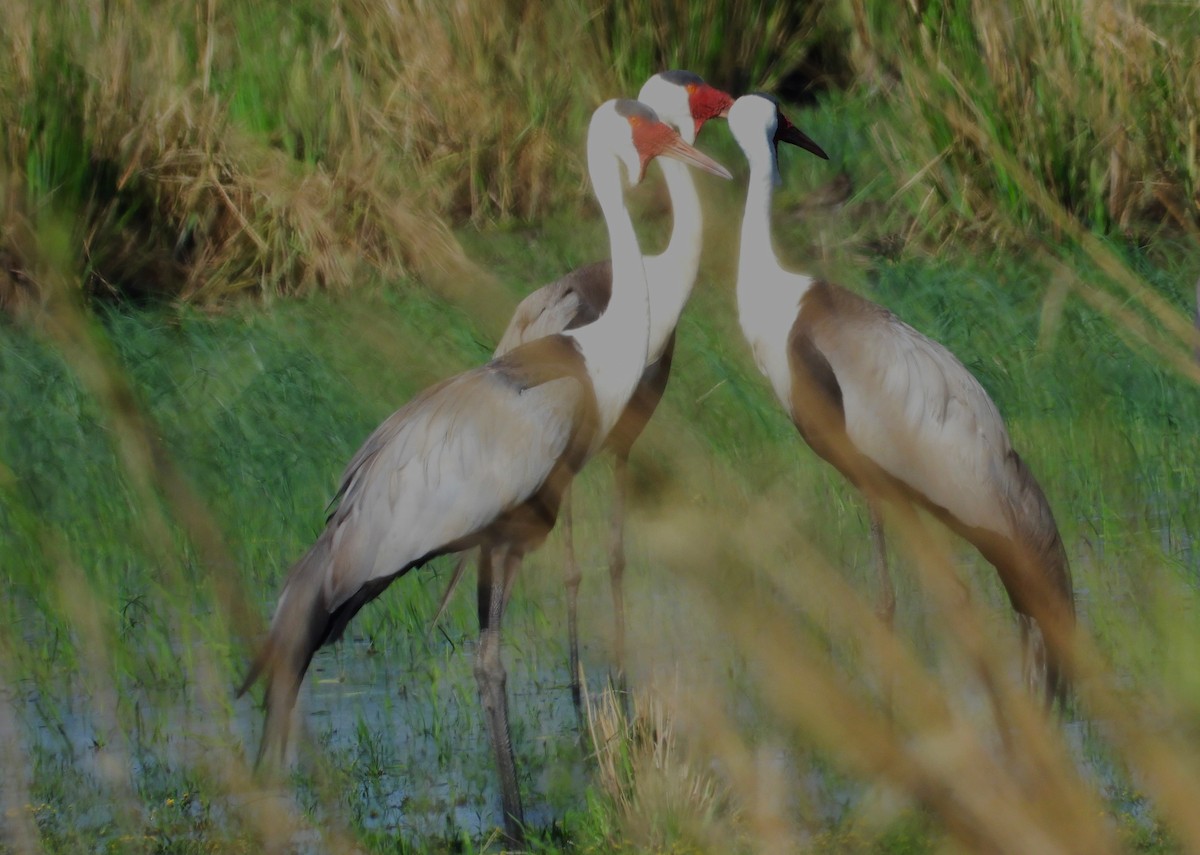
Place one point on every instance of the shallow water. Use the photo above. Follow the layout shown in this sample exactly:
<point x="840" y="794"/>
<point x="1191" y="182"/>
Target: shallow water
<point x="430" y="766"/>
<point x="403" y="723"/>
<point x="401" y="726"/>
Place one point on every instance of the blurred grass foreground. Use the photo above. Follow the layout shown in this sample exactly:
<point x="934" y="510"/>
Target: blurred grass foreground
<point x="235" y="236"/>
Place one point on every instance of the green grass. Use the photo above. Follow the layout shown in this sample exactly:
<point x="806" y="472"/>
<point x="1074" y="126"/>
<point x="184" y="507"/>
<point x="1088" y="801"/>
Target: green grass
<point x="261" y="409"/>
<point x="119" y="654"/>
<point x="1094" y="102"/>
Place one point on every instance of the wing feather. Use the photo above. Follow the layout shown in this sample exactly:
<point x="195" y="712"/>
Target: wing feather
<point x="444" y="467"/>
<point x="576" y="299"/>
<point x="916" y="411"/>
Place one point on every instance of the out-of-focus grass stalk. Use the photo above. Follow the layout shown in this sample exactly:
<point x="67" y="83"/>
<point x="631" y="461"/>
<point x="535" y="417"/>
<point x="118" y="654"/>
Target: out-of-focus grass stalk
<point x="151" y="474"/>
<point x="1035" y="784"/>
<point x="1169" y="764"/>
<point x="929" y="752"/>
<point x="804" y="692"/>
<point x="1097" y="100"/>
<point x="1181" y="337"/>
<point x="20" y="831"/>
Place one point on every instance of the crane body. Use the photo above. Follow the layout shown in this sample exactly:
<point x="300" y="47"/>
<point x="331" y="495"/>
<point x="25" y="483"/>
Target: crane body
<point x="479" y="460"/>
<point x="684" y="101"/>
<point x="896" y="413"/>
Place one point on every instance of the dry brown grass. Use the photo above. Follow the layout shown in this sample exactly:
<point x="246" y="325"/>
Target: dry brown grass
<point x="483" y="100"/>
<point x="404" y="115"/>
<point x="1099" y="101"/>
<point x="662" y="793"/>
<point x="222" y="148"/>
<point x="215" y="149"/>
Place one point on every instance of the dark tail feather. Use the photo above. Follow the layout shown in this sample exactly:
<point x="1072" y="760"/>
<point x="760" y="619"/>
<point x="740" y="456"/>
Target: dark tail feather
<point x="1034" y="570"/>
<point x="1039" y="588"/>
<point x="1037" y="575"/>
<point x="299" y="627"/>
<point x="1059" y="636"/>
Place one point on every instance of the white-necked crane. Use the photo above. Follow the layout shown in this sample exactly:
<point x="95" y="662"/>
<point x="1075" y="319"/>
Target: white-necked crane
<point x="896" y="413"/>
<point x="481" y="459"/>
<point x="681" y="99"/>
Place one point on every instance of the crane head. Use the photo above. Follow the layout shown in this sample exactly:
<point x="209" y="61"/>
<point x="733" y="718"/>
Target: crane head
<point x="753" y="116"/>
<point x="684" y="100"/>
<point x="645" y="137"/>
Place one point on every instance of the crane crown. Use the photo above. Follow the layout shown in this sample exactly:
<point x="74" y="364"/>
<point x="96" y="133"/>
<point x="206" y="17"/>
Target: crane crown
<point x="684" y="100"/>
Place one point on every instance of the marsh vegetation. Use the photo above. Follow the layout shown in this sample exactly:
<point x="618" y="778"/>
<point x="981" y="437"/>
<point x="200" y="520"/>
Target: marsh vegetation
<point x="235" y="236"/>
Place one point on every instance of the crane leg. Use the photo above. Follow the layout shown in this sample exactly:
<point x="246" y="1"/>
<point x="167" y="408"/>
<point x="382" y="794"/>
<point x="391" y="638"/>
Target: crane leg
<point x="616" y="567"/>
<point x="491" y="678"/>
<point x="886" y="606"/>
<point x="571" y="579"/>
<point x="459" y="569"/>
<point x="1033" y="661"/>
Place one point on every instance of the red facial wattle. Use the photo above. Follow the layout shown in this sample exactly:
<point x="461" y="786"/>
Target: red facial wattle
<point x="653" y="139"/>
<point x="707" y="103"/>
<point x="650" y="138"/>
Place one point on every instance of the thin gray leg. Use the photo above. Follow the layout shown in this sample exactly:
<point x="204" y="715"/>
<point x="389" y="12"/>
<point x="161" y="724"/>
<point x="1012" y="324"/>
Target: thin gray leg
<point x="491" y="678"/>
<point x="616" y="566"/>
<point x="886" y="607"/>
<point x="571" y="579"/>
<point x="459" y="569"/>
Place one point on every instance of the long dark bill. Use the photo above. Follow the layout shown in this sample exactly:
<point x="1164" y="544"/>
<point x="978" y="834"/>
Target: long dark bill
<point x="789" y="133"/>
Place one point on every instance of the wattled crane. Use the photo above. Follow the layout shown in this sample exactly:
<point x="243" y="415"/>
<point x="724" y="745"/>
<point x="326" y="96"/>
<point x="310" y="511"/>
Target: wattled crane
<point x="896" y="413"/>
<point x="481" y="459"/>
<point x="681" y="99"/>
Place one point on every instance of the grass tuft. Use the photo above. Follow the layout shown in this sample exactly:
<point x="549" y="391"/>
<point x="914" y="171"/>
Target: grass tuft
<point x="1098" y="101"/>
<point x="663" y="798"/>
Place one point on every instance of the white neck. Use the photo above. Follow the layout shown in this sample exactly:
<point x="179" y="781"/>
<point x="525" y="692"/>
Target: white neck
<point x="614" y="345"/>
<point x="756" y="259"/>
<point x="762" y="283"/>
<point x="672" y="274"/>
<point x="768" y="296"/>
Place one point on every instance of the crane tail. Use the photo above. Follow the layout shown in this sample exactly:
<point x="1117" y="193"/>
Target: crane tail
<point x="300" y="626"/>
<point x="1058" y="574"/>
<point x="1037" y="575"/>
<point x="1033" y="567"/>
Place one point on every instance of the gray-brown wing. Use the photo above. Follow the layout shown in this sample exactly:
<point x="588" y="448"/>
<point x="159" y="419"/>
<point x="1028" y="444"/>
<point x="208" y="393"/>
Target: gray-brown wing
<point x="444" y="467"/>
<point x="914" y="410"/>
<point x="576" y="299"/>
